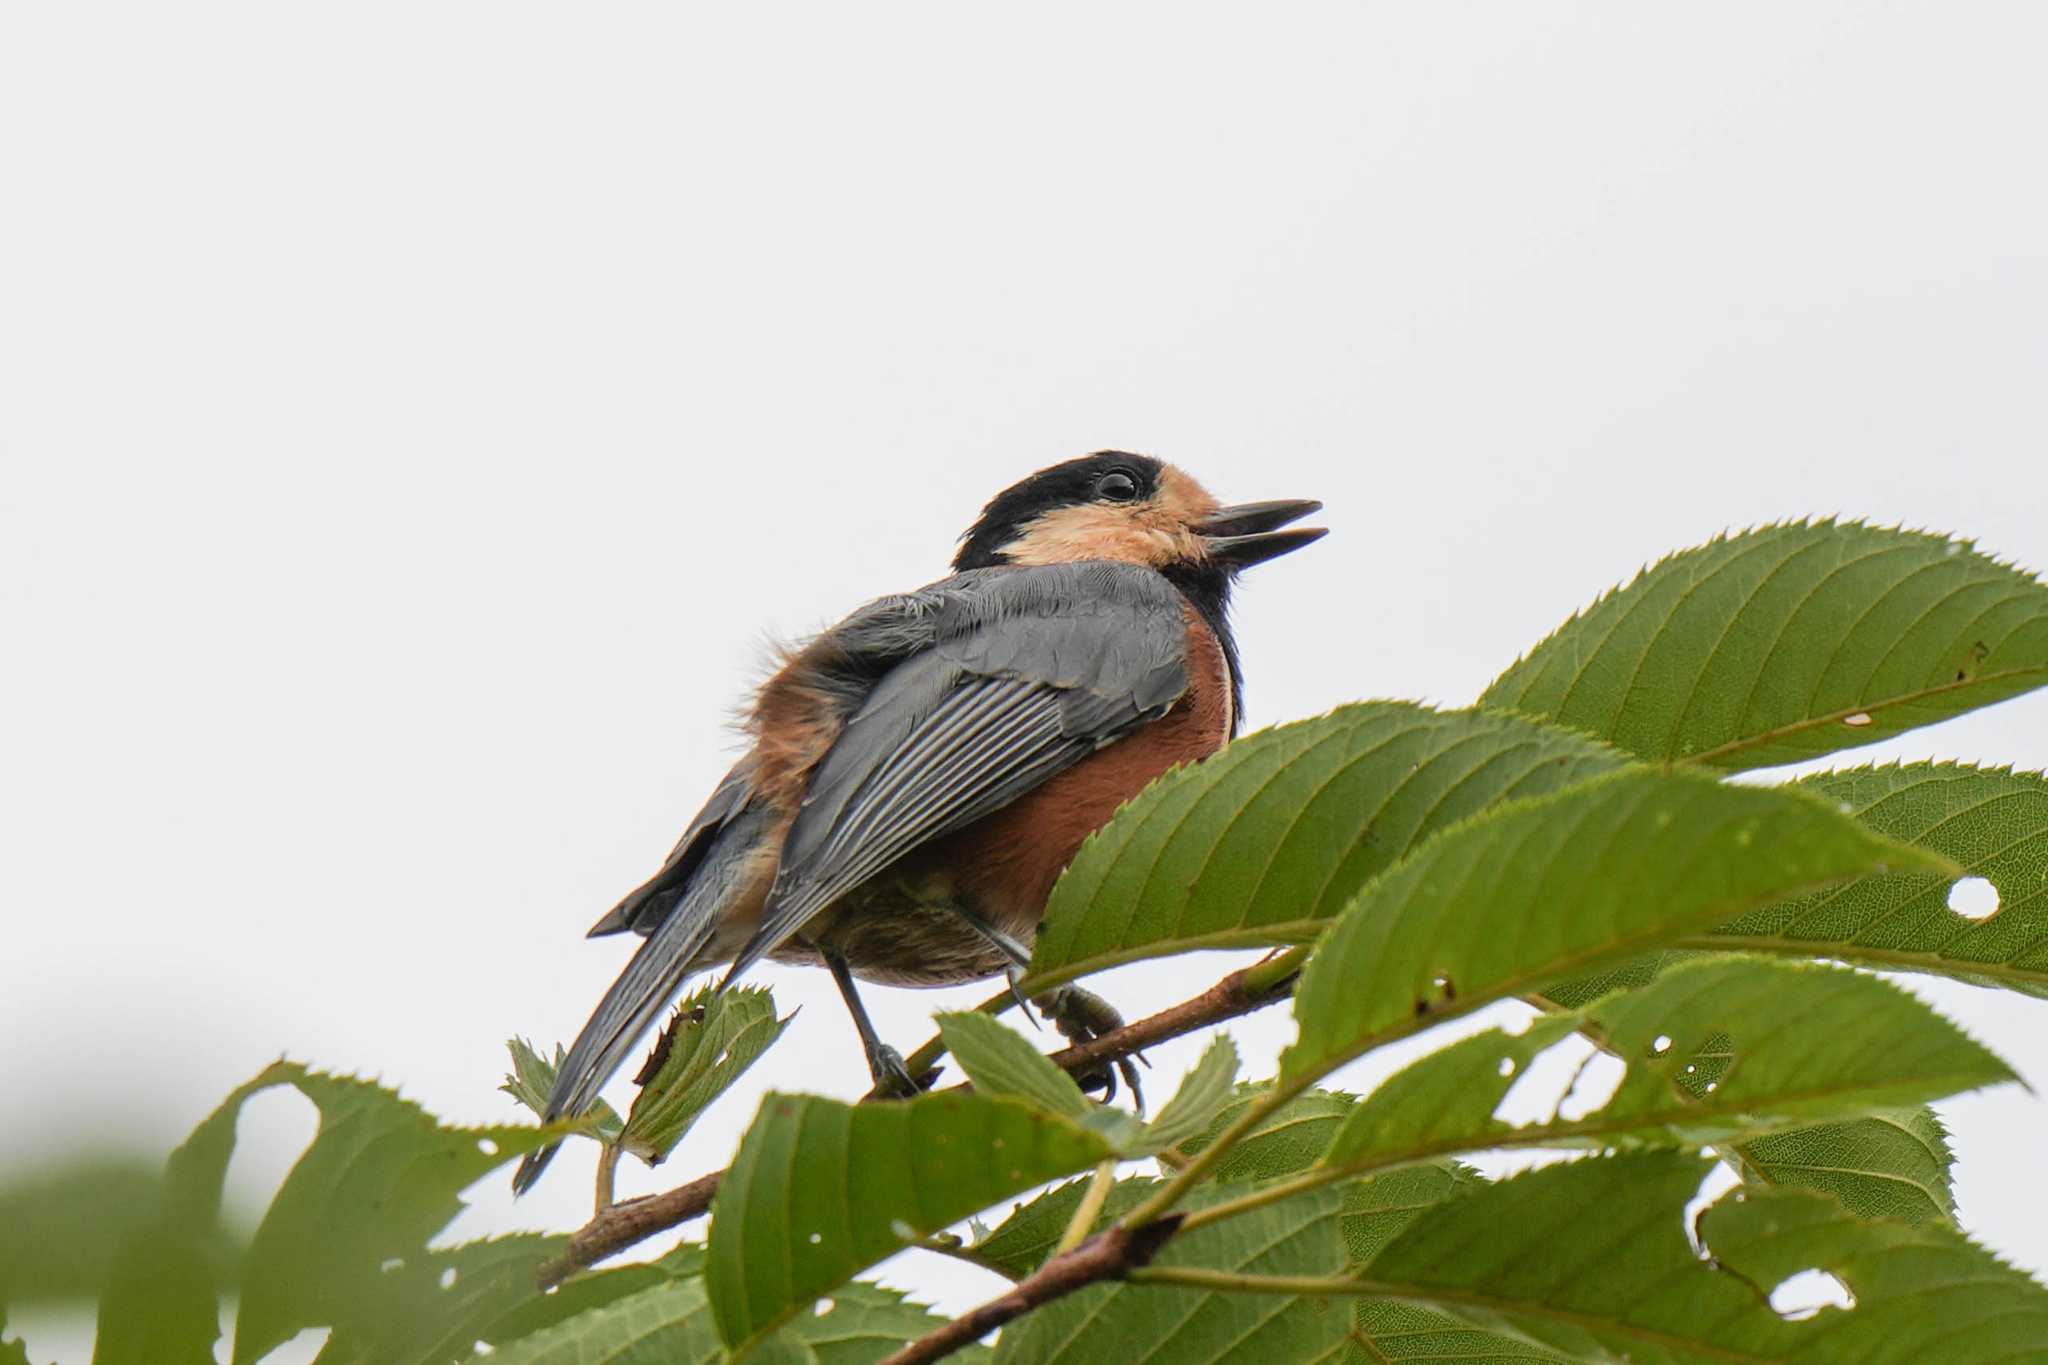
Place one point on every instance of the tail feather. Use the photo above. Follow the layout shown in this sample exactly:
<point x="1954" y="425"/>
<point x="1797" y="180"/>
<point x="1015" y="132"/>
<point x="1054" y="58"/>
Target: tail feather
<point x="652" y="979"/>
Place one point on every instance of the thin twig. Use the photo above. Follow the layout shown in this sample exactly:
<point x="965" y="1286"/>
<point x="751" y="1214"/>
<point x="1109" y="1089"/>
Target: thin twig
<point x="635" y="1220"/>
<point x="1111" y="1256"/>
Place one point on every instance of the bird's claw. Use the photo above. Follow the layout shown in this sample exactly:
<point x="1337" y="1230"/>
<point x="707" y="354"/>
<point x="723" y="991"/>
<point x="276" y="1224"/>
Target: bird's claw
<point x="1082" y="1016"/>
<point x="1016" y="977"/>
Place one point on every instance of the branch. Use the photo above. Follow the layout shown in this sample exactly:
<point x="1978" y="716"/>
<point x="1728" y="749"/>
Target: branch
<point x="624" y="1224"/>
<point x="1111" y="1256"/>
<point x="635" y="1220"/>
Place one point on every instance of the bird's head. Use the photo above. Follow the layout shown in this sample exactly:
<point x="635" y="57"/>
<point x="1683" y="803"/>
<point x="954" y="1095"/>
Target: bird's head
<point x="1134" y="508"/>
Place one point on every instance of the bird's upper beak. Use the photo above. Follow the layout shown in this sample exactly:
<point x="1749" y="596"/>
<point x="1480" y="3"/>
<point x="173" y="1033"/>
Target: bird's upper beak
<point x="1249" y="533"/>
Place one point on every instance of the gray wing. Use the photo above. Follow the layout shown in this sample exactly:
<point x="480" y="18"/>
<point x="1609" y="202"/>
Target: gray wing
<point x="1028" y="671"/>
<point x="647" y="905"/>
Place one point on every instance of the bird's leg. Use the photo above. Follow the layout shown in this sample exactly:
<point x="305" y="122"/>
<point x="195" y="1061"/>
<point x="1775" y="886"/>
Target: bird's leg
<point x="885" y="1063"/>
<point x="1009" y="946"/>
<point x="1080" y="1015"/>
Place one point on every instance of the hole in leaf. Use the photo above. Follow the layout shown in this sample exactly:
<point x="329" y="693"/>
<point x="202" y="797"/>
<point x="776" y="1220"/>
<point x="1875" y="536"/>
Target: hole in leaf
<point x="483" y="1348"/>
<point x="448" y="1278"/>
<point x="1595" y="1084"/>
<point x="823" y="1306"/>
<point x="1859" y="720"/>
<point x="487" y="1147"/>
<point x="1973" y="898"/>
<point x="1719" y="1180"/>
<point x="391" y="1265"/>
<point x="1805" y="1294"/>
<point x="816" y="1238"/>
<point x="1507" y="1066"/>
<point x="304" y="1344"/>
<point x="1544" y="1081"/>
<point x="1661" y="1046"/>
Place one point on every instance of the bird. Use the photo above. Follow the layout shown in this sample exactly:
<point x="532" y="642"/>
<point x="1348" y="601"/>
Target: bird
<point x="921" y="773"/>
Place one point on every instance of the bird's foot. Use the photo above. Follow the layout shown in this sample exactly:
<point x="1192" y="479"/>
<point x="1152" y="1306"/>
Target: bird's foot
<point x="1082" y="1016"/>
<point x="893" y="1080"/>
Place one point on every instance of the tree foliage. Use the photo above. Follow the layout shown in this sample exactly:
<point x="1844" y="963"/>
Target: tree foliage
<point x="1572" y="842"/>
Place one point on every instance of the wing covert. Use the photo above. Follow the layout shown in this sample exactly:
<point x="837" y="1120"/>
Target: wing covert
<point x="1028" y="671"/>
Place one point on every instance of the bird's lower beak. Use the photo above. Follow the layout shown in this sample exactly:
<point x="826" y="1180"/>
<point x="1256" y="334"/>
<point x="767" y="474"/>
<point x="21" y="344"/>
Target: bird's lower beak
<point x="1249" y="533"/>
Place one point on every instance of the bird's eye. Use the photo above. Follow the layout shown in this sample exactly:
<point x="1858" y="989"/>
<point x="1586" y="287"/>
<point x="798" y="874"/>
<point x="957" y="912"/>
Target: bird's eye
<point x="1116" y="486"/>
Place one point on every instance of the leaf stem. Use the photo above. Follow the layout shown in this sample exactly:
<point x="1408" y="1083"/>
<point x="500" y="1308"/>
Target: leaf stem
<point x="1314" y="1178"/>
<point x="1088" y="1210"/>
<point x="1276" y="971"/>
<point x="607" y="1175"/>
<point x="1238" y="1282"/>
<point x="1166" y="1196"/>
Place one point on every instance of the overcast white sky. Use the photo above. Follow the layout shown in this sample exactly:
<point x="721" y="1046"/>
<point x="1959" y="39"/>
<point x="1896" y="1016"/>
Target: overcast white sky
<point x="415" y="417"/>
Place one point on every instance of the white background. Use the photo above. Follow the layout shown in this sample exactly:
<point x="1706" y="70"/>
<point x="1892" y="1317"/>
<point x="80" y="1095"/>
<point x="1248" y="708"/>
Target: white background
<point x="415" y="418"/>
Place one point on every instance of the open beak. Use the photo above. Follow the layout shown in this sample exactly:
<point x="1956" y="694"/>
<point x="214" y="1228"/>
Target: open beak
<point x="1249" y="533"/>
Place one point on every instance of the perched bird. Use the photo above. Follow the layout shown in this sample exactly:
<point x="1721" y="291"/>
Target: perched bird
<point x="923" y="771"/>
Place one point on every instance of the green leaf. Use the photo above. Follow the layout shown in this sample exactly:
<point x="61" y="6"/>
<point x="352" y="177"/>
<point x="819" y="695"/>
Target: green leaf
<point x="1024" y="1240"/>
<point x="585" y="1292"/>
<point x="1591" y="1258"/>
<point x="1136" y="1324"/>
<point x="1545" y="890"/>
<point x="436" y="1305"/>
<point x="67" y="1221"/>
<point x="1291" y="1138"/>
<point x="668" y="1322"/>
<point x="532" y="1079"/>
<point x="381" y="1178"/>
<point x="672" y="1323"/>
<point x="1891" y="1164"/>
<point x="865" y="1324"/>
<point x="1001" y="1061"/>
<point x="1202" y="1094"/>
<point x="1992" y="822"/>
<point x="820" y="1190"/>
<point x="1387" y="1332"/>
<point x="1922" y="1294"/>
<point x="1786" y="643"/>
<point x="712" y="1038"/>
<point x="1718" y="1050"/>
<point x="1263" y="842"/>
<point x="162" y="1306"/>
<point x="1378" y="1208"/>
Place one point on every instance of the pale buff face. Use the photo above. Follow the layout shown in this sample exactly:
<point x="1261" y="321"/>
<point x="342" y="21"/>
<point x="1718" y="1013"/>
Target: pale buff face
<point x="1155" y="532"/>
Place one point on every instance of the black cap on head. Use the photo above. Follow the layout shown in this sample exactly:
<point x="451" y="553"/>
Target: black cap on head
<point x="1105" y="476"/>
